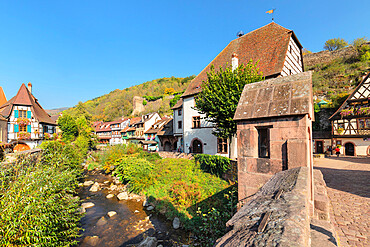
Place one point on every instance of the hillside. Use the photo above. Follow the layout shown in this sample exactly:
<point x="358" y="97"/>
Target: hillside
<point x="54" y="112"/>
<point x="119" y="103"/>
<point x="337" y="73"/>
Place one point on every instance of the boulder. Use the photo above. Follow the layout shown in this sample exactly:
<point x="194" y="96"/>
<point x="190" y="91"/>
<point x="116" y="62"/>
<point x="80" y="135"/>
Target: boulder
<point x="95" y="187"/>
<point x="148" y="242"/>
<point x="150" y="208"/>
<point x="109" y="196"/>
<point x="102" y="221"/>
<point x="106" y="182"/>
<point x="87" y="205"/>
<point x="176" y="223"/>
<point x="92" y="240"/>
<point x="122" y="196"/>
<point x="88" y="183"/>
<point x="111" y="213"/>
<point x="81" y="210"/>
<point x="113" y="187"/>
<point x="145" y="203"/>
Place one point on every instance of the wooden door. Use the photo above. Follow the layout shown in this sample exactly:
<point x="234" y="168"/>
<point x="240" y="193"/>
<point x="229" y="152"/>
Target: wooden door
<point x="197" y="147"/>
<point x="349" y="149"/>
<point x="319" y="147"/>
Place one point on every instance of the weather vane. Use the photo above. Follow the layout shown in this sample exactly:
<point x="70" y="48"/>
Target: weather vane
<point x="271" y="12"/>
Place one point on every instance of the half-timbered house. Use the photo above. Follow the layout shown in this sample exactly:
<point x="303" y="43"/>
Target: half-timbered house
<point x="351" y="122"/>
<point x="278" y="53"/>
<point x="28" y="123"/>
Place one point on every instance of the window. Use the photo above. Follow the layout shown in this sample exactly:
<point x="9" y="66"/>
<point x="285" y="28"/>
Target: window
<point x="22" y="128"/>
<point x="364" y="123"/>
<point x="263" y="143"/>
<point x="180" y="112"/>
<point x="22" y="114"/>
<point x="339" y="142"/>
<point x="221" y="145"/>
<point x="179" y="124"/>
<point x="196" y="122"/>
<point x="290" y="49"/>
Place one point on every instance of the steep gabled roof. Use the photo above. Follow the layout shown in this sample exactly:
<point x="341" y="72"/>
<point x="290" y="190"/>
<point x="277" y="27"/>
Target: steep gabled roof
<point x="167" y="128"/>
<point x="268" y="45"/>
<point x="178" y="104"/>
<point x="282" y="96"/>
<point x="2" y="97"/>
<point x="361" y="93"/>
<point x="24" y="97"/>
<point x="160" y="123"/>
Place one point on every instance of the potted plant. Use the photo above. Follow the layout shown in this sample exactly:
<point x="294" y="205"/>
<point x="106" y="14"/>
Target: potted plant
<point x="24" y="136"/>
<point x="340" y="131"/>
<point x="23" y="121"/>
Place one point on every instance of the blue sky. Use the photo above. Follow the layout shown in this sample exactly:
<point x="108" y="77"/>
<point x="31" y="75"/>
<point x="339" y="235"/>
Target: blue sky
<point x="77" y="50"/>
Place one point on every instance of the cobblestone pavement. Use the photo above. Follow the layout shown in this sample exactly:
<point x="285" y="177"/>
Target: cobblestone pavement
<point x="348" y="182"/>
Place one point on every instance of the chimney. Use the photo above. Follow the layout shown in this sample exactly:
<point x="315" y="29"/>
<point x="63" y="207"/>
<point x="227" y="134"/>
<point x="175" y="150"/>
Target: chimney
<point x="30" y="87"/>
<point x="234" y="61"/>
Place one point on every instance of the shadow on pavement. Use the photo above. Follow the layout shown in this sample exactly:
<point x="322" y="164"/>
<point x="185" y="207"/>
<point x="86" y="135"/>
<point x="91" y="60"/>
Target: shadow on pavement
<point x="352" y="181"/>
<point x="357" y="160"/>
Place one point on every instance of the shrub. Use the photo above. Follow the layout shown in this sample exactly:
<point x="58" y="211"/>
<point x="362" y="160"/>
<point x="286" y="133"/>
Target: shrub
<point x="137" y="172"/>
<point x="37" y="204"/>
<point x="184" y="194"/>
<point x="213" y="164"/>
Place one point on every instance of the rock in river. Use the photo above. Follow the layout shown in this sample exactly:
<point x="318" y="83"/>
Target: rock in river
<point x="92" y="240"/>
<point x="87" y="205"/>
<point x="176" y="223"/>
<point x="148" y="242"/>
<point x="88" y="183"/>
<point x="95" y="187"/>
<point x="111" y="213"/>
<point x="109" y="196"/>
<point x="122" y="196"/>
<point x="150" y="208"/>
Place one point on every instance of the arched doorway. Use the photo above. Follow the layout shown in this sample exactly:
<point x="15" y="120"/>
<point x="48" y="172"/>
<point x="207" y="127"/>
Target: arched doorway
<point x="349" y="149"/>
<point x="197" y="147"/>
<point x="167" y="146"/>
<point x="175" y="146"/>
<point x="21" y="147"/>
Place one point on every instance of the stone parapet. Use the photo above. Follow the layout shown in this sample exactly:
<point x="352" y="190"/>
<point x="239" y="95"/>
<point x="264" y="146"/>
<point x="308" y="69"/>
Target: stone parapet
<point x="288" y="223"/>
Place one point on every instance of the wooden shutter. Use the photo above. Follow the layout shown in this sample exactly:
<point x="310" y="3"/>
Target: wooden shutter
<point x="16" y="113"/>
<point x="16" y="128"/>
<point x="29" y="128"/>
<point x="28" y="114"/>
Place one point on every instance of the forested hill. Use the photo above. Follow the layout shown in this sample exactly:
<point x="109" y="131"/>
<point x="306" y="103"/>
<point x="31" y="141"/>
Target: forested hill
<point x="337" y="73"/>
<point x="119" y="103"/>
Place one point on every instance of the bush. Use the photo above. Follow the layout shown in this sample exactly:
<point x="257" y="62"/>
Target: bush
<point x="36" y="201"/>
<point x="213" y="164"/>
<point x="137" y="172"/>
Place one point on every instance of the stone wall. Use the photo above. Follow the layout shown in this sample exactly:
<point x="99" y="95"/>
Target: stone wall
<point x="328" y="56"/>
<point x="289" y="148"/>
<point x="289" y="221"/>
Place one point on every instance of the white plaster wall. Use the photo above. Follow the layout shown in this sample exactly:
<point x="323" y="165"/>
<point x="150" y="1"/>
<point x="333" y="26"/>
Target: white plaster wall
<point x="151" y="121"/>
<point x="204" y="134"/>
<point x="360" y="145"/>
<point x="293" y="59"/>
<point x="176" y="119"/>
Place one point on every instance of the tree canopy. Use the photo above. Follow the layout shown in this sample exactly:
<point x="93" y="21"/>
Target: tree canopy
<point x="335" y="44"/>
<point x="221" y="93"/>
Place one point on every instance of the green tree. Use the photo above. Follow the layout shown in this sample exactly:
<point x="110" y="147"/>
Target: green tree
<point x="69" y="127"/>
<point x="359" y="41"/>
<point x="221" y="93"/>
<point x="335" y="44"/>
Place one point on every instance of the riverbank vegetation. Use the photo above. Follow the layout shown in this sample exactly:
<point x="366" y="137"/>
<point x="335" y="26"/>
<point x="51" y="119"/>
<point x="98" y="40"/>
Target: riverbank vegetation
<point x="37" y="202"/>
<point x="176" y="187"/>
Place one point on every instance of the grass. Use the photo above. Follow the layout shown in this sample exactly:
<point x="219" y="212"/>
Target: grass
<point x="176" y="187"/>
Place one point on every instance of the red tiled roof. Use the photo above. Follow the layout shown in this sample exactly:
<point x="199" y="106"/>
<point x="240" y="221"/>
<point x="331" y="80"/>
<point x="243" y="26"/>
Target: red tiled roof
<point x="2" y="97"/>
<point x="268" y="45"/>
<point x="178" y="104"/>
<point x="24" y="97"/>
<point x="125" y="129"/>
<point x="153" y="130"/>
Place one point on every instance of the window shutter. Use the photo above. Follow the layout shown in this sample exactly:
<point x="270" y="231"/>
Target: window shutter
<point x="29" y="128"/>
<point x="16" y="128"/>
<point x="16" y="113"/>
<point x="28" y="114"/>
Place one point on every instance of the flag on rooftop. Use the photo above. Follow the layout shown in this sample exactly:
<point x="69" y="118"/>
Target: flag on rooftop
<point x="270" y="11"/>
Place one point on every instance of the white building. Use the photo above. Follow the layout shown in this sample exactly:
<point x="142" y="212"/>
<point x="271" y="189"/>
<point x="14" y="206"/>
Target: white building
<point x="279" y="54"/>
<point x="351" y="122"/>
<point x="28" y="123"/>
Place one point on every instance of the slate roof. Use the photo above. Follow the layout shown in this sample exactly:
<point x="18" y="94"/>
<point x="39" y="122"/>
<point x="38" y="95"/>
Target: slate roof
<point x="24" y="97"/>
<point x="2" y="96"/>
<point x="282" y="96"/>
<point x="268" y="45"/>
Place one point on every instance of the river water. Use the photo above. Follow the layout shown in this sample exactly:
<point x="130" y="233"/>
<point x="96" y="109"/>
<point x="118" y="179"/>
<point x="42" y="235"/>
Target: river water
<point x="129" y="226"/>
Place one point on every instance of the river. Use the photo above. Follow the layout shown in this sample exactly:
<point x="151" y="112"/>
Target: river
<point x="129" y="226"/>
